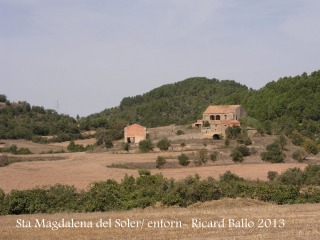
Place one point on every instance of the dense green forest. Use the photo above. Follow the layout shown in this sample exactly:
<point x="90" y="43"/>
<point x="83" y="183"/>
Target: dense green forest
<point x="22" y="121"/>
<point x="291" y="103"/>
<point x="178" y="103"/>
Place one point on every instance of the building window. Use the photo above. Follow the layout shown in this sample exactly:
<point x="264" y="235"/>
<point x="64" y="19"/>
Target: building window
<point x="218" y="117"/>
<point x="225" y="117"/>
<point x="212" y="117"/>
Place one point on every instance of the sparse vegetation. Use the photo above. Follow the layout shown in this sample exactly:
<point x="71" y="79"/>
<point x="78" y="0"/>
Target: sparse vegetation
<point x="15" y="150"/>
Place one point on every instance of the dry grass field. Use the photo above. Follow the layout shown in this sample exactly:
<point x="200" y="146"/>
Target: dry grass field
<point x="81" y="169"/>
<point x="239" y="219"/>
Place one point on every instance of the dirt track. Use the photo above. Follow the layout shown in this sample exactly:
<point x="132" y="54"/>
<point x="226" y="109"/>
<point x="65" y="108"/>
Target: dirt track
<point x="81" y="169"/>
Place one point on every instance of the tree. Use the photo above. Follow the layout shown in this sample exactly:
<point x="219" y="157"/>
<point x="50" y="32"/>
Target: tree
<point x="310" y="146"/>
<point x="213" y="156"/>
<point x="164" y="144"/>
<point x="299" y="155"/>
<point x="201" y="157"/>
<point x="183" y="160"/>
<point x="282" y="141"/>
<point x="145" y="146"/>
<point x="160" y="162"/>
<point x="3" y="98"/>
<point x="236" y="155"/>
<point x="233" y="132"/>
<point x="272" y="175"/>
<point x="273" y="153"/>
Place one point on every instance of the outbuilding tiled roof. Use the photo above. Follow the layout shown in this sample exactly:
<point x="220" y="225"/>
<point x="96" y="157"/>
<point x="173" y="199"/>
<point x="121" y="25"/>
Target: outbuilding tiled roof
<point x="221" y="109"/>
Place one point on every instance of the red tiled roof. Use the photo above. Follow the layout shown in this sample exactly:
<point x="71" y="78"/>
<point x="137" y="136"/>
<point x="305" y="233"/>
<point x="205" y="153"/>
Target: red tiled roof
<point x="230" y="122"/>
<point x="221" y="109"/>
<point x="135" y="129"/>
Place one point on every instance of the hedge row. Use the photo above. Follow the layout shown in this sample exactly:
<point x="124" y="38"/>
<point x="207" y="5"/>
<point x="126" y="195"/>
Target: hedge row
<point x="293" y="186"/>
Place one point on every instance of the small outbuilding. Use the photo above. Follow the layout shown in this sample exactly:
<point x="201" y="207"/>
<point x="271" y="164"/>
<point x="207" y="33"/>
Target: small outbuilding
<point x="135" y="133"/>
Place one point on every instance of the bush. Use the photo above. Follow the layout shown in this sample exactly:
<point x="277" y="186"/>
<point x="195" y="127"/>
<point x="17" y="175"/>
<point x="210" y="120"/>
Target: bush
<point x="126" y="146"/>
<point x="160" y="162"/>
<point x="293" y="176"/>
<point x="145" y="146"/>
<point x="72" y="147"/>
<point x="206" y="124"/>
<point x="233" y="132"/>
<point x="244" y="150"/>
<point x="3" y="98"/>
<point x="296" y="138"/>
<point x="282" y="140"/>
<point x="272" y="175"/>
<point x="236" y="155"/>
<point x="273" y="154"/>
<point x="201" y="157"/>
<point x="24" y="151"/>
<point x="144" y="172"/>
<point x="103" y="196"/>
<point x="2" y="206"/>
<point x="182" y="144"/>
<point x="310" y="146"/>
<point x="164" y="144"/>
<point x="299" y="155"/>
<point x="183" y="160"/>
<point x="213" y="156"/>
<point x="180" y="132"/>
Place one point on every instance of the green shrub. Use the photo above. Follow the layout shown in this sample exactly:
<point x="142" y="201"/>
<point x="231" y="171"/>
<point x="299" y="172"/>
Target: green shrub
<point x="201" y="157"/>
<point x="213" y="156"/>
<point x="244" y="150"/>
<point x="145" y="146"/>
<point x="293" y="176"/>
<point x="312" y="175"/>
<point x="160" y="162"/>
<point x="126" y="146"/>
<point x="144" y="172"/>
<point x="273" y="154"/>
<point x="103" y="196"/>
<point x="72" y="147"/>
<point x="299" y="155"/>
<point x="310" y="146"/>
<point x="2" y="205"/>
<point x="272" y="175"/>
<point x="180" y="132"/>
<point x="164" y="144"/>
<point x="183" y="160"/>
<point x="24" y="151"/>
<point x="236" y="155"/>
<point x="296" y="138"/>
<point x="233" y="132"/>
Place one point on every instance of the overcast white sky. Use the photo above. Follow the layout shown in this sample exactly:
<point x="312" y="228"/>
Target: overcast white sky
<point x="89" y="54"/>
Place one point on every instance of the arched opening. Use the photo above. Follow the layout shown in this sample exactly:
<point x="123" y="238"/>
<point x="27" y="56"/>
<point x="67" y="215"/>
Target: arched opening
<point x="216" y="137"/>
<point x="212" y="117"/>
<point x="218" y="117"/>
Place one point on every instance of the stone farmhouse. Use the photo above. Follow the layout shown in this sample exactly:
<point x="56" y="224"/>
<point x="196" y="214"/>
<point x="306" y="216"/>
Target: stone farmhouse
<point x="135" y="133"/>
<point x="217" y="118"/>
